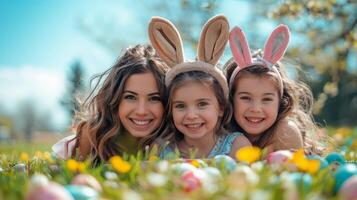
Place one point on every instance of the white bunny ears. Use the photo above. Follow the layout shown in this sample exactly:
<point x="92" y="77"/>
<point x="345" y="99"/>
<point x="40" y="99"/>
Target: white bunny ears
<point x="274" y="50"/>
<point x="167" y="42"/>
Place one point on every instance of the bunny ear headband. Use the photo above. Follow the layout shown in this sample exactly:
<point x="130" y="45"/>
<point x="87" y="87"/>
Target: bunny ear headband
<point x="274" y="50"/>
<point x="167" y="42"/>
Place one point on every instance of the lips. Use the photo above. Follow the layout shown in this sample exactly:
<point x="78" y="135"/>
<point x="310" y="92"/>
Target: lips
<point x="254" y="120"/>
<point x="194" y="126"/>
<point x="140" y="124"/>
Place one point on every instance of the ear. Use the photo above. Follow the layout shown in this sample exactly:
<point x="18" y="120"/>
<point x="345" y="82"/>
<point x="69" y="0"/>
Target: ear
<point x="213" y="39"/>
<point x="240" y="47"/>
<point x="277" y="43"/>
<point x="166" y="40"/>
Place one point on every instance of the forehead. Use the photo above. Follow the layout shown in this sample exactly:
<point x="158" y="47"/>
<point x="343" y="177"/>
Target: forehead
<point x="193" y="90"/>
<point x="141" y="83"/>
<point x="256" y="84"/>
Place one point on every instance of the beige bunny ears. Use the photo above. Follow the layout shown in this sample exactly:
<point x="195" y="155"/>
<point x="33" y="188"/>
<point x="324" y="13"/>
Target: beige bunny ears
<point x="167" y="41"/>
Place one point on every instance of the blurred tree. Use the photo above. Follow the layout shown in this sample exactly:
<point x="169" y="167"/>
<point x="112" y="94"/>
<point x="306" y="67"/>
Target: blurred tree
<point x="328" y="51"/>
<point x="74" y="89"/>
<point x="29" y="119"/>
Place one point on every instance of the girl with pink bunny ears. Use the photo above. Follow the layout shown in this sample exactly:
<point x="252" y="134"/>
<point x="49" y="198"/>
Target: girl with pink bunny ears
<point x="272" y="110"/>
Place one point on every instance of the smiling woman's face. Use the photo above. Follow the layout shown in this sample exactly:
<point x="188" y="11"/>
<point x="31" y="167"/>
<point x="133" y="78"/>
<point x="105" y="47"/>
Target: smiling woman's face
<point x="141" y="109"/>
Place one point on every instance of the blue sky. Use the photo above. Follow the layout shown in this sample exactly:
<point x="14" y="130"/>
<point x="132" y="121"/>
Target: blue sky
<point x="39" y="41"/>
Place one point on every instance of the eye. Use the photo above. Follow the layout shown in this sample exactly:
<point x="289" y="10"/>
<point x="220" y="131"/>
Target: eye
<point x="155" y="99"/>
<point x="245" y="98"/>
<point x="179" y="106"/>
<point x="130" y="97"/>
<point x="267" y="99"/>
<point x="202" y="104"/>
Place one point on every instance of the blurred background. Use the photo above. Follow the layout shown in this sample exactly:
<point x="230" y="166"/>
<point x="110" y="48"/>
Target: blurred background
<point x="50" y="49"/>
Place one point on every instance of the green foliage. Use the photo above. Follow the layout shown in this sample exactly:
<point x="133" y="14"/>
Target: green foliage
<point x="327" y="50"/>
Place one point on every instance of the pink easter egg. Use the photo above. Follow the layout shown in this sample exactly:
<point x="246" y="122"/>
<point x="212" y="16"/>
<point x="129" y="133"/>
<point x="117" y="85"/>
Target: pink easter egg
<point x="348" y="190"/>
<point x="279" y="157"/>
<point x="190" y="181"/>
<point x="53" y="191"/>
<point x="87" y="180"/>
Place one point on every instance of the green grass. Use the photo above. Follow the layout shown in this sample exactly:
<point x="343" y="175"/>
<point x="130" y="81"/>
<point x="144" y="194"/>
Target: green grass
<point x="15" y="148"/>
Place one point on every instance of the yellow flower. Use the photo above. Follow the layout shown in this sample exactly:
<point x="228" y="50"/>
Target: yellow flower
<point x="24" y="157"/>
<point x="354" y="144"/>
<point x="313" y="166"/>
<point x="195" y="163"/>
<point x="304" y="164"/>
<point x="153" y="158"/>
<point x="72" y="165"/>
<point x="119" y="164"/>
<point x="299" y="160"/>
<point x="344" y="131"/>
<point x="39" y="154"/>
<point x="248" y="154"/>
<point x="81" y="166"/>
<point x="47" y="156"/>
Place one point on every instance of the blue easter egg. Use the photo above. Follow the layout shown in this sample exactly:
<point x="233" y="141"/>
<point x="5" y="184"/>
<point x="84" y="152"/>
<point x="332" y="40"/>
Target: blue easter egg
<point x="335" y="157"/>
<point x="323" y="162"/>
<point x="303" y="181"/>
<point x="80" y="192"/>
<point x="226" y="162"/>
<point x="343" y="173"/>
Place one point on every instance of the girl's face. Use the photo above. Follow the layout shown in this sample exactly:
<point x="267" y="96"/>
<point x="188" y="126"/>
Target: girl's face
<point x="195" y="110"/>
<point x="256" y="103"/>
<point x="140" y="108"/>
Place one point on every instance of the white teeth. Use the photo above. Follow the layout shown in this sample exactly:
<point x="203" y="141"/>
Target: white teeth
<point x="141" y="122"/>
<point x="193" y="125"/>
<point x="254" y="120"/>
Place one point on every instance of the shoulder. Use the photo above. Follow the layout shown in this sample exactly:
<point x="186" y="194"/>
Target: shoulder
<point x="239" y="142"/>
<point x="287" y="136"/>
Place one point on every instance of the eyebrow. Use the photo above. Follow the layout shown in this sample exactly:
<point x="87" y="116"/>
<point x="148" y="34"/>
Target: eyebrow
<point x="203" y="99"/>
<point x="150" y="94"/>
<point x="265" y="94"/>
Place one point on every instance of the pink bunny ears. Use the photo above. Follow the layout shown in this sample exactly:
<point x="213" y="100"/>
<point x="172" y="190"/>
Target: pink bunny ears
<point x="274" y="50"/>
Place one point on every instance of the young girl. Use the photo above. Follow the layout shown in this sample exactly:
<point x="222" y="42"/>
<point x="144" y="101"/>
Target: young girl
<point x="198" y="107"/>
<point x="127" y="107"/>
<point x="272" y="110"/>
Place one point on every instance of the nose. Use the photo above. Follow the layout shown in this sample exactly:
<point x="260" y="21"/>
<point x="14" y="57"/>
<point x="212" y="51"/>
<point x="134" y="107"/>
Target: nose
<point x="141" y="108"/>
<point x="255" y="107"/>
<point x="191" y="114"/>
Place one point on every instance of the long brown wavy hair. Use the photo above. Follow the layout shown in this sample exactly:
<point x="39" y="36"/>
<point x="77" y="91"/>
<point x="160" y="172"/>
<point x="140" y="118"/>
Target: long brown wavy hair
<point x="296" y="103"/>
<point x="99" y="116"/>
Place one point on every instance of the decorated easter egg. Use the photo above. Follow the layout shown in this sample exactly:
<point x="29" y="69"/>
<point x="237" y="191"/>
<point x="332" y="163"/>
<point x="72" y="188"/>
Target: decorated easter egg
<point x="348" y="190"/>
<point x="303" y="181"/>
<point x="193" y="179"/>
<point x="279" y="157"/>
<point x="343" y="173"/>
<point x="87" y="180"/>
<point x="244" y="172"/>
<point x="335" y="157"/>
<point x="37" y="181"/>
<point x="212" y="172"/>
<point x="182" y="167"/>
<point x="225" y="162"/>
<point x="53" y="191"/>
<point x="20" y="168"/>
<point x="323" y="162"/>
<point x="80" y="192"/>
